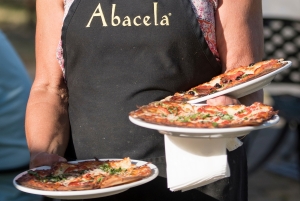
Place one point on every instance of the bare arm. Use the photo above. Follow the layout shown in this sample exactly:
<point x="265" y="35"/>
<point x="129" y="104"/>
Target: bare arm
<point x="47" y="123"/>
<point x="239" y="32"/>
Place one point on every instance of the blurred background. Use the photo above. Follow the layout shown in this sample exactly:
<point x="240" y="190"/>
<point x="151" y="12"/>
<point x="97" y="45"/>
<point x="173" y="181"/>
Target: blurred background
<point x="17" y="21"/>
<point x="273" y="154"/>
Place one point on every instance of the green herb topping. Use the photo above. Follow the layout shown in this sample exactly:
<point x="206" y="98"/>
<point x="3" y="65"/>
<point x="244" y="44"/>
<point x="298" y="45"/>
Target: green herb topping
<point x="106" y="168"/>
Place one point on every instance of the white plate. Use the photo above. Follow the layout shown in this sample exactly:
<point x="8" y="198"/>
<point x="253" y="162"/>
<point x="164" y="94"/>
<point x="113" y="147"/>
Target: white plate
<point x="204" y="132"/>
<point x="245" y="88"/>
<point x="86" y="194"/>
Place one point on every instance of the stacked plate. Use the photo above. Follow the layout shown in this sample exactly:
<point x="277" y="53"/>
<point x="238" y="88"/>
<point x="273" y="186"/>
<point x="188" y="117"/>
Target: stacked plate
<point x="235" y="92"/>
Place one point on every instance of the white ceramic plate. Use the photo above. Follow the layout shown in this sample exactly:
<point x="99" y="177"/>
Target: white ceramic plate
<point x="86" y="194"/>
<point x="247" y="87"/>
<point x="204" y="132"/>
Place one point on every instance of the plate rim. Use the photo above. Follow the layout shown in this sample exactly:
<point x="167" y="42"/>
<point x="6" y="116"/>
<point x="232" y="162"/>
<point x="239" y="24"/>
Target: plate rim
<point x="242" y="85"/>
<point x="109" y="190"/>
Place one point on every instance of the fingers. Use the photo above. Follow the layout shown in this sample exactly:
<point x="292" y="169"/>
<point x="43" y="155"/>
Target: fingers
<point x="43" y="158"/>
<point x="223" y="100"/>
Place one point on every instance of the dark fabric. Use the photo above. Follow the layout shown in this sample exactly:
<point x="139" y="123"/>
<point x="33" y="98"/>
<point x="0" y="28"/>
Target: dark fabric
<point x="156" y="191"/>
<point x="70" y="154"/>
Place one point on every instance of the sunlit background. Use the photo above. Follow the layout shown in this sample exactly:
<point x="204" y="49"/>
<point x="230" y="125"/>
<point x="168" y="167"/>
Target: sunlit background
<point x="17" y="21"/>
<point x="272" y="177"/>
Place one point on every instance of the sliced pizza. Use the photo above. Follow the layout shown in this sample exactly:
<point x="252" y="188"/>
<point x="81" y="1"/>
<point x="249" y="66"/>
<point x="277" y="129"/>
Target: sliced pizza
<point x="86" y="175"/>
<point x="183" y="114"/>
<point x="229" y="79"/>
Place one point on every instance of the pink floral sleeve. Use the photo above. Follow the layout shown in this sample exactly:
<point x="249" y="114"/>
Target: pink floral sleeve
<point x="205" y="11"/>
<point x="59" y="51"/>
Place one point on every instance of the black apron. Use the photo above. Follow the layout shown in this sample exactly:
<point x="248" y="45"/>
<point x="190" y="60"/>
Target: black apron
<point x="120" y="54"/>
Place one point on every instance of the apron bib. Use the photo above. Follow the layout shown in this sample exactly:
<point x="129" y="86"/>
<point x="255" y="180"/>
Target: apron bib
<point x="121" y="54"/>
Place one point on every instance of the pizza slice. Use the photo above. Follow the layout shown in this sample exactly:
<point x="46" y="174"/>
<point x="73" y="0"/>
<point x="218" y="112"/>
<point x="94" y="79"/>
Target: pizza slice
<point x="86" y="175"/>
<point x="230" y="78"/>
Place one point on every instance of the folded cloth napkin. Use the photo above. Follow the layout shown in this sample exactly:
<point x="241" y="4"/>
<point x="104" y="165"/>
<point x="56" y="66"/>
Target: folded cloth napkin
<point x="195" y="162"/>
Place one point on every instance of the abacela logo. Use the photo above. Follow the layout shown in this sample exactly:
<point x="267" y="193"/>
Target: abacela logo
<point x="130" y="21"/>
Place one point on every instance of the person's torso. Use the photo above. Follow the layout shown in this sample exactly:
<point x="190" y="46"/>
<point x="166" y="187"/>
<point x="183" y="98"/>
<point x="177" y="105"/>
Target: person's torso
<point x="121" y="54"/>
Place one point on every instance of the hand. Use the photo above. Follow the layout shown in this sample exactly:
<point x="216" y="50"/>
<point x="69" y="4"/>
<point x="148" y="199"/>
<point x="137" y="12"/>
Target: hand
<point x="223" y="100"/>
<point x="44" y="158"/>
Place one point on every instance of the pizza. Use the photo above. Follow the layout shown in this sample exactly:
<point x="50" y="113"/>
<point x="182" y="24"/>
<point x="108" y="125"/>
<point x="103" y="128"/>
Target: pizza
<point x="230" y="78"/>
<point x="86" y="175"/>
<point x="183" y="114"/>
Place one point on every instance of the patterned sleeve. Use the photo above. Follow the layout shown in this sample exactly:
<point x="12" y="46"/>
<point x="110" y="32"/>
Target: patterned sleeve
<point x="205" y="11"/>
<point x="59" y="50"/>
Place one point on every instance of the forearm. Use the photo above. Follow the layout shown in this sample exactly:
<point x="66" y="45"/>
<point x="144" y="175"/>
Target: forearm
<point x="240" y="41"/>
<point x="239" y="32"/>
<point x="257" y="96"/>
<point x="47" y="122"/>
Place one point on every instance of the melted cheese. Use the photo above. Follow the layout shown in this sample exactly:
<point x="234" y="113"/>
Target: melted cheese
<point x="97" y="172"/>
<point x="67" y="181"/>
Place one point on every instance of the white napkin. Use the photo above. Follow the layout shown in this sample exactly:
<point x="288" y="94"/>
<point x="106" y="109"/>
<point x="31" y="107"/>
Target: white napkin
<point x="195" y="162"/>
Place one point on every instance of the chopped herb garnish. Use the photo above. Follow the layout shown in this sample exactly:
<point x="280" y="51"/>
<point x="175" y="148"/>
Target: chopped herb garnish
<point x="194" y="116"/>
<point x="188" y="118"/>
<point x="184" y="118"/>
<point x="55" y="178"/>
<point x="224" y="116"/>
<point x="172" y="110"/>
<point x="215" y="124"/>
<point x="203" y="116"/>
<point x="227" y="117"/>
<point x="33" y="173"/>
<point x="241" y="111"/>
<point x="106" y="168"/>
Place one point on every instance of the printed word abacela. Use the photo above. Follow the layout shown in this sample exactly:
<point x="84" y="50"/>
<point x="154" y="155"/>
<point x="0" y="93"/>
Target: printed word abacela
<point x="130" y="21"/>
